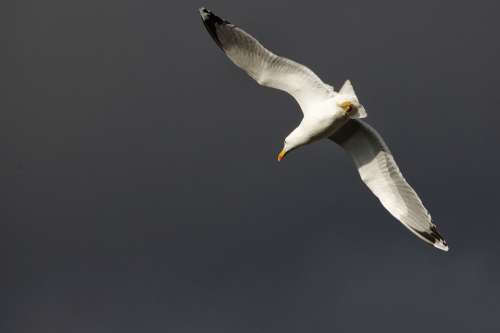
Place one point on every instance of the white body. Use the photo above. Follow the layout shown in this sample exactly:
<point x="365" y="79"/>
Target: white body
<point x="328" y="114"/>
<point x="323" y="119"/>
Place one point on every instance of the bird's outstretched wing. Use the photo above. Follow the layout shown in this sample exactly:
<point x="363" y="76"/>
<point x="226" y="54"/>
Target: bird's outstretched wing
<point x="264" y="66"/>
<point x="380" y="173"/>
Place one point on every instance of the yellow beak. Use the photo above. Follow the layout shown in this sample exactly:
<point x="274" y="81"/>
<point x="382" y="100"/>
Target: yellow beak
<point x="281" y="154"/>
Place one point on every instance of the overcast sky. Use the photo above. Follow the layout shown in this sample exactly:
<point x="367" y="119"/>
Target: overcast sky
<point x="141" y="192"/>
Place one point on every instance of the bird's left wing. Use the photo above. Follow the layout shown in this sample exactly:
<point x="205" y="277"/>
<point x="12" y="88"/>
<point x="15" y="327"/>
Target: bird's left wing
<point x="265" y="67"/>
<point x="380" y="173"/>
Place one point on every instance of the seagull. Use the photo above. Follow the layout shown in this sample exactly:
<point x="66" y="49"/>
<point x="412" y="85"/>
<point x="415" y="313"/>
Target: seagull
<point x="328" y="114"/>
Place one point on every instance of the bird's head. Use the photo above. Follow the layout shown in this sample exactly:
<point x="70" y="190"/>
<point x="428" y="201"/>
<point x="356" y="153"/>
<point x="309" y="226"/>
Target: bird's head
<point x="293" y="141"/>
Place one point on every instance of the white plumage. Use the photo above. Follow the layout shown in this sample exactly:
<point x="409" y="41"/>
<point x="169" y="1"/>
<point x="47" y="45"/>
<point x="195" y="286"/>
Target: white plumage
<point x="328" y="114"/>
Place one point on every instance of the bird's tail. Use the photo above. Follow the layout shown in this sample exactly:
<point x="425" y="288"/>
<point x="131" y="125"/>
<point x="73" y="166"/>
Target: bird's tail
<point x="347" y="89"/>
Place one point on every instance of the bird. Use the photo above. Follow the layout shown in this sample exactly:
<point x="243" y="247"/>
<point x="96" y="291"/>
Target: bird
<point x="328" y="114"/>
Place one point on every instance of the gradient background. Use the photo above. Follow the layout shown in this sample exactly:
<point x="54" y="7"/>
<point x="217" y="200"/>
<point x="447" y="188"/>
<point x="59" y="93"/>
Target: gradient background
<point x="141" y="193"/>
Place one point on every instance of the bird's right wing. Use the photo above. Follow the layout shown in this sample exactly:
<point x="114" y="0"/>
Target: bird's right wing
<point x="380" y="173"/>
<point x="264" y="66"/>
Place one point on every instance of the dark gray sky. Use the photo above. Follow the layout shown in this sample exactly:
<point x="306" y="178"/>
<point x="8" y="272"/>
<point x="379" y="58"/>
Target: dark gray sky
<point x="141" y="193"/>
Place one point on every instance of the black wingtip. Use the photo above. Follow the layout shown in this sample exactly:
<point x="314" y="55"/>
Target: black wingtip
<point x="211" y="21"/>
<point x="208" y="15"/>
<point x="435" y="238"/>
<point x="203" y="12"/>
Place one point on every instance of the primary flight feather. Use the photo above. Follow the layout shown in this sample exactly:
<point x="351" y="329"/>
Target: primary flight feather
<point x="328" y="114"/>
